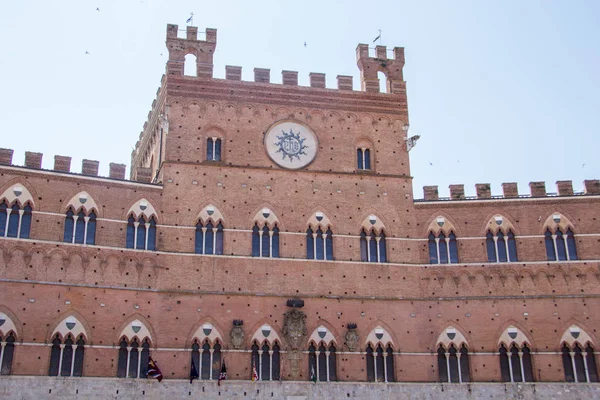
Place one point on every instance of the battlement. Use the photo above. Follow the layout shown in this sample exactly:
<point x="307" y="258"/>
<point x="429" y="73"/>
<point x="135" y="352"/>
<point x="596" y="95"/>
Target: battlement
<point x="391" y="68"/>
<point x="203" y="50"/>
<point x="510" y="190"/>
<point x="63" y="164"/>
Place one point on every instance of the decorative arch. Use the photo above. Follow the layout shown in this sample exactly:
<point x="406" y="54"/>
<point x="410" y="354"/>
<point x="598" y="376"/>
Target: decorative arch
<point x="136" y="326"/>
<point x="451" y="336"/>
<point x="266" y="334"/>
<point x="17" y="193"/>
<point x="558" y="220"/>
<point x="319" y="218"/>
<point x="210" y="213"/>
<point x="574" y="334"/>
<point x="266" y="215"/>
<point x="72" y="324"/>
<point x="441" y="223"/>
<point x="500" y="222"/>
<point x="9" y="323"/>
<point x="82" y="200"/>
<point x="513" y="335"/>
<point x="142" y="207"/>
<point x="379" y="336"/>
<point x="206" y="329"/>
<point x="373" y="222"/>
<point x="322" y="334"/>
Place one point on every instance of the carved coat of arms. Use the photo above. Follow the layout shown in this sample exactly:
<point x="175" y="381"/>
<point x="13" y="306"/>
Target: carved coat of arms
<point x="237" y="336"/>
<point x="352" y="337"/>
<point x="294" y="328"/>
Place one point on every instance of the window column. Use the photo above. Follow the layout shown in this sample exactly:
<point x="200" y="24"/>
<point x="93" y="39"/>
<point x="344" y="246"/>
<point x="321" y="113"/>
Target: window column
<point x="385" y="375"/>
<point x="60" y="359"/>
<point x="447" y="354"/>
<point x="585" y="364"/>
<point x="260" y="375"/>
<point x="572" y="355"/>
<point x="147" y="225"/>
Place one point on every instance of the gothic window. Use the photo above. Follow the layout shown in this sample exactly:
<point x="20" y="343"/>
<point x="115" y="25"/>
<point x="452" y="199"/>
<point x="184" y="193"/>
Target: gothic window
<point x="442" y="249"/>
<point x="266" y="360"/>
<point x="7" y="349"/>
<point x="15" y="220"/>
<point x="373" y="246"/>
<point x="319" y="243"/>
<point x="80" y="227"/>
<point x="579" y="363"/>
<point x="133" y="358"/>
<point x="141" y="233"/>
<point x="66" y="357"/>
<point x="501" y="247"/>
<point x="207" y="359"/>
<point x="322" y="363"/>
<point x="265" y="241"/>
<point x="213" y="149"/>
<point x="515" y="363"/>
<point x="380" y="363"/>
<point x="560" y="246"/>
<point x="363" y="157"/>
<point x="453" y="364"/>
<point x="209" y="238"/>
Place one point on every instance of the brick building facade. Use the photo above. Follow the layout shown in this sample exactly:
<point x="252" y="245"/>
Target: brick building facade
<point x="274" y="226"/>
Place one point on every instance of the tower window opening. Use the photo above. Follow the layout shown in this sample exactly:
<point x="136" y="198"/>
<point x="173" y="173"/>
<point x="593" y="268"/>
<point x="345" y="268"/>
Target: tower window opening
<point x="190" y="67"/>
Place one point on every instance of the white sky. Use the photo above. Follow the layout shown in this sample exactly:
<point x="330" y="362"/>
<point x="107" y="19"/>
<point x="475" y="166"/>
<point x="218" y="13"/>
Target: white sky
<point x="499" y="91"/>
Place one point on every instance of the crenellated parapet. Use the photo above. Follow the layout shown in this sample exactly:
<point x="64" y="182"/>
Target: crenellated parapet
<point x="203" y="50"/>
<point x="180" y="47"/>
<point x="510" y="190"/>
<point x="391" y="67"/>
<point x="62" y="164"/>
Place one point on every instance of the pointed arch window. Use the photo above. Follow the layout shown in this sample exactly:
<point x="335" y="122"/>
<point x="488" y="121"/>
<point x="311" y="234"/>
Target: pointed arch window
<point x="319" y="244"/>
<point x="213" y="149"/>
<point x="207" y="359"/>
<point x="560" y="246"/>
<point x="265" y="241"/>
<point x="579" y="363"/>
<point x="209" y="238"/>
<point x="141" y="233"/>
<point x="363" y="157"/>
<point x="80" y="227"/>
<point x="322" y="362"/>
<point x="380" y="363"/>
<point x="515" y="363"/>
<point x="501" y="247"/>
<point x="453" y="364"/>
<point x="66" y="357"/>
<point x="15" y="220"/>
<point x="266" y="361"/>
<point x="7" y="349"/>
<point x="373" y="246"/>
<point x="133" y="358"/>
<point x="442" y="249"/>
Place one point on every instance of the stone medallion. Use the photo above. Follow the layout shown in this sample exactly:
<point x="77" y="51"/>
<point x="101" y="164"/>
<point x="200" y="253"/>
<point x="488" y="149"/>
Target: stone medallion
<point x="291" y="144"/>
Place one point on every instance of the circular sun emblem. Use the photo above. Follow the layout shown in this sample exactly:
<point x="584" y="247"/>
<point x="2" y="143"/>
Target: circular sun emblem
<point x="291" y="144"/>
